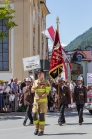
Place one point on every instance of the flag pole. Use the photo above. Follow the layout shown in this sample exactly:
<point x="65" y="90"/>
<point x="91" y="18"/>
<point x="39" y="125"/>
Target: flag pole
<point x="58" y="22"/>
<point x="58" y="93"/>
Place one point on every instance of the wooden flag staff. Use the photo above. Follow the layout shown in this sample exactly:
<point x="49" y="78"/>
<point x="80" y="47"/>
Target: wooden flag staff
<point x="58" y="22"/>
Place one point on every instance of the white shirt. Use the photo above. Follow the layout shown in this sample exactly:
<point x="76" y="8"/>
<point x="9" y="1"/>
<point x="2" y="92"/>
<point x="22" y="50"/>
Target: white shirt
<point x="62" y="87"/>
<point x="1" y="89"/>
<point x="7" y="89"/>
<point x="80" y="85"/>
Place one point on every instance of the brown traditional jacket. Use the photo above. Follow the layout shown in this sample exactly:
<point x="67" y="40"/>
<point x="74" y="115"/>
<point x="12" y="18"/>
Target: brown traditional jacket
<point x="64" y="94"/>
<point x="27" y="97"/>
<point x="80" y="95"/>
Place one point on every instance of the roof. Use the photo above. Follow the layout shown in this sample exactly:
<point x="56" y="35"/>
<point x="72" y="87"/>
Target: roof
<point x="87" y="54"/>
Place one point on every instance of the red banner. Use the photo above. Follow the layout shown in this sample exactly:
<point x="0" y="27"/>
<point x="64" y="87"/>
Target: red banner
<point x="56" y="65"/>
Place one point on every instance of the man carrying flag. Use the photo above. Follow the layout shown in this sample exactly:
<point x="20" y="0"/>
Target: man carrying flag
<point x="56" y="68"/>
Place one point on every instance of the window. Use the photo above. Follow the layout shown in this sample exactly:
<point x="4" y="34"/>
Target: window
<point x="4" y="49"/>
<point x="79" y="58"/>
<point x="33" y="3"/>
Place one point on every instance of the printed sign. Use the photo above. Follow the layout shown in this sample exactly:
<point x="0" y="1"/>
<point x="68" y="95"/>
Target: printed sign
<point x="31" y="63"/>
<point x="89" y="78"/>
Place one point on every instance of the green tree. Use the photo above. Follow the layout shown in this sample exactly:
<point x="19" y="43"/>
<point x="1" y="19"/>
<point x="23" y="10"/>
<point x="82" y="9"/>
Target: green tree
<point x="7" y="14"/>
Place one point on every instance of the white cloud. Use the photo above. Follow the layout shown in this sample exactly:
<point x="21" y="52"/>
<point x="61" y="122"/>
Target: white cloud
<point x="63" y="44"/>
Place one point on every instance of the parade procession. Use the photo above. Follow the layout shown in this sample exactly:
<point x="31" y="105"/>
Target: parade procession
<point x="45" y="90"/>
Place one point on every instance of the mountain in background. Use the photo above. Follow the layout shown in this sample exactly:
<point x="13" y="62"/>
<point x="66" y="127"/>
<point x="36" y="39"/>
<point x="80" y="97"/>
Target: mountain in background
<point x="81" y="41"/>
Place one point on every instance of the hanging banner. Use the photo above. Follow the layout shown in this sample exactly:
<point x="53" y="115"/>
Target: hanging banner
<point x="89" y="79"/>
<point x="31" y="63"/>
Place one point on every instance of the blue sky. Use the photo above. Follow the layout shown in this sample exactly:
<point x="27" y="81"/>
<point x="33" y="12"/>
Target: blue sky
<point x="75" y="17"/>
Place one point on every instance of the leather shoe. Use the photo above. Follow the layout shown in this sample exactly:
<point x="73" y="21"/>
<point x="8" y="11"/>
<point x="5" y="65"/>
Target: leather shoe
<point x="24" y="123"/>
<point x="40" y="133"/>
<point x="36" y="132"/>
<point x="82" y="120"/>
<point x="31" y="123"/>
<point x="80" y="123"/>
<point x="60" y="123"/>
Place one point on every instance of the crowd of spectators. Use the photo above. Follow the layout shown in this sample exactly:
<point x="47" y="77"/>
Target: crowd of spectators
<point x="10" y="93"/>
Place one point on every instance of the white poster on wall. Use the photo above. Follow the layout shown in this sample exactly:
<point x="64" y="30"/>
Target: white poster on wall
<point x="89" y="78"/>
<point x="31" y="63"/>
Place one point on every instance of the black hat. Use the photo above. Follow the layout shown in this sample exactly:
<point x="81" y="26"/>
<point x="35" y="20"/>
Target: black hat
<point x="40" y="70"/>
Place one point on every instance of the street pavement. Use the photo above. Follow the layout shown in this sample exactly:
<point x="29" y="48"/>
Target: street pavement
<point x="11" y="126"/>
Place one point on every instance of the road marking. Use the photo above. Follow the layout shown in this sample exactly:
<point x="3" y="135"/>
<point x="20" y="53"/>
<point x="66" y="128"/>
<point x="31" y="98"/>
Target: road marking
<point x="12" y="128"/>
